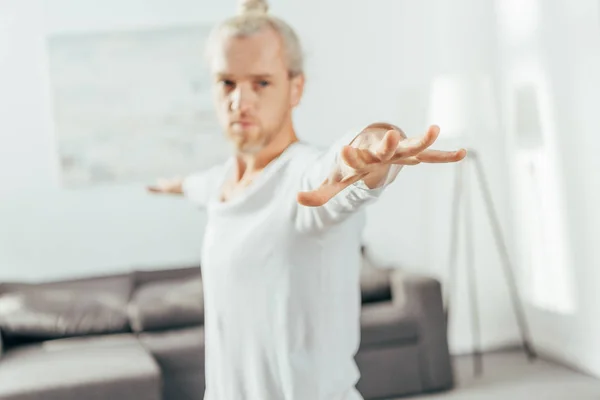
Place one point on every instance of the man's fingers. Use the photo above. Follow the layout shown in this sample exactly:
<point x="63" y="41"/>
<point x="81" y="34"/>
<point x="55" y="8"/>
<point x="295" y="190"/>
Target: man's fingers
<point x="413" y="146"/>
<point x="388" y="145"/>
<point x="358" y="159"/>
<point x="361" y="158"/>
<point x="438" y="156"/>
<point x="406" y="161"/>
<point x="327" y="191"/>
<point x="159" y="187"/>
<point x="351" y="157"/>
<point x="432" y="157"/>
<point x="168" y="186"/>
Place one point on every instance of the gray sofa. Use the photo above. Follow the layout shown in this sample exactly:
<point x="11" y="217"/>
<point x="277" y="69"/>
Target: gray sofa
<point x="140" y="336"/>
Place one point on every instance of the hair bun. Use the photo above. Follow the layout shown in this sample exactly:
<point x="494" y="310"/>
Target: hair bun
<point x="253" y="6"/>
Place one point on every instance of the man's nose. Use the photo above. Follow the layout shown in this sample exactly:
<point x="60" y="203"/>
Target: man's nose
<point x="242" y="99"/>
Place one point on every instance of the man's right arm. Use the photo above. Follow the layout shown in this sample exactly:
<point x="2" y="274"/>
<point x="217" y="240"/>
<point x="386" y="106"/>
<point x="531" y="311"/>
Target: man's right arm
<point x="167" y="186"/>
<point x="198" y="187"/>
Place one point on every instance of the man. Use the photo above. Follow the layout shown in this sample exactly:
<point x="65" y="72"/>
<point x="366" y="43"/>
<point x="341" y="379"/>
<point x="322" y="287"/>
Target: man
<point x="281" y="251"/>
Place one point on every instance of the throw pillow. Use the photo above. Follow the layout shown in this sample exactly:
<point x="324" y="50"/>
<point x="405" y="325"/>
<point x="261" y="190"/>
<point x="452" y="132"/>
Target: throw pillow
<point x="169" y="304"/>
<point x="52" y="312"/>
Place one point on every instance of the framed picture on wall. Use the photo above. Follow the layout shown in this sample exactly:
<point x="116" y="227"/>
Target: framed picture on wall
<point x="131" y="106"/>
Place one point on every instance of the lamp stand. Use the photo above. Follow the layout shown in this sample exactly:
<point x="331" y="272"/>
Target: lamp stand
<point x="461" y="184"/>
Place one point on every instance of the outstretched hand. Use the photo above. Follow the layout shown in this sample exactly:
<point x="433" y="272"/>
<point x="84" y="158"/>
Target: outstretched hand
<point x="370" y="156"/>
<point x="167" y="186"/>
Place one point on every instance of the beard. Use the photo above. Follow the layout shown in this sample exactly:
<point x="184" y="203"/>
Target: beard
<point x="254" y="141"/>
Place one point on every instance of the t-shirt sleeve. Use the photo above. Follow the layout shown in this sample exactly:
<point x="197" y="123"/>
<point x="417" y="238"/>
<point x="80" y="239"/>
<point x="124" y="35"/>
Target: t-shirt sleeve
<point x="348" y="201"/>
<point x="204" y="185"/>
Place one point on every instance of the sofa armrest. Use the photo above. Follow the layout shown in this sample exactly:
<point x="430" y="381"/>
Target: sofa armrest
<point x="421" y="296"/>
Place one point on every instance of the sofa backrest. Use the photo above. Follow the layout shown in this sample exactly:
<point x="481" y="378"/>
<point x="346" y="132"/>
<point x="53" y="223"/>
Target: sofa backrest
<point x="144" y="276"/>
<point x="32" y="312"/>
<point x="77" y="307"/>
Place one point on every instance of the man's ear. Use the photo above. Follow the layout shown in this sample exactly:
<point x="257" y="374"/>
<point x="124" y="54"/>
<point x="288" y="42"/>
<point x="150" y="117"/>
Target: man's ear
<point x="297" y="83"/>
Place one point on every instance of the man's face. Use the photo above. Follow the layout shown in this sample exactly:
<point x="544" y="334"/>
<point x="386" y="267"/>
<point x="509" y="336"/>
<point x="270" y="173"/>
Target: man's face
<point x="254" y="94"/>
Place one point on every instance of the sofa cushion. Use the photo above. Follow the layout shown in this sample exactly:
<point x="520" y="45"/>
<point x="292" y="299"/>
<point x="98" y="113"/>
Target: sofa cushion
<point x="71" y="308"/>
<point x="374" y="282"/>
<point x="168" y="304"/>
<point x="144" y="276"/>
<point x="176" y="350"/>
<point x="385" y="323"/>
<point x="112" y="367"/>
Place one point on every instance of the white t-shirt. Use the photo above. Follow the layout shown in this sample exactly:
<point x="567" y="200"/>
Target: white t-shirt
<point x="281" y="282"/>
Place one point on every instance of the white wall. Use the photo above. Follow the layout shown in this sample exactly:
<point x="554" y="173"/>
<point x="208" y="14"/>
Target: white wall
<point x="563" y="38"/>
<point x="466" y="43"/>
<point x="47" y="232"/>
<point x="365" y="63"/>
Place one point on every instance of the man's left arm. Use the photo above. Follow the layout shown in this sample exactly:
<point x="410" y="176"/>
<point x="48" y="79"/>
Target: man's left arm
<point x="356" y="171"/>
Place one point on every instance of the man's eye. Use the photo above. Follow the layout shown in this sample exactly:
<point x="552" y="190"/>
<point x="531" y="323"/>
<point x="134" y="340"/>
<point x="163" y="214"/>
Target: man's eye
<point x="263" y="83"/>
<point x="227" y="83"/>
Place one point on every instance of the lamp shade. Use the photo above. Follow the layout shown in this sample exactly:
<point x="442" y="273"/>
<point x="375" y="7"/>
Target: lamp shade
<point x="462" y="104"/>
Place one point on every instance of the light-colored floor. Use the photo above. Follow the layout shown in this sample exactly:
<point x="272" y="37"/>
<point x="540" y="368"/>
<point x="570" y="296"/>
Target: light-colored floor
<point x="509" y="376"/>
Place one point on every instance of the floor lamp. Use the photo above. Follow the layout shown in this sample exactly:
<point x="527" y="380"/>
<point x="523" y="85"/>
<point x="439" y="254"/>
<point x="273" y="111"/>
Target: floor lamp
<point x="461" y="104"/>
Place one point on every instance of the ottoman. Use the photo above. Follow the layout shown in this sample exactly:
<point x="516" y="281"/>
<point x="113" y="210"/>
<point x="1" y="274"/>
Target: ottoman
<point x="113" y="367"/>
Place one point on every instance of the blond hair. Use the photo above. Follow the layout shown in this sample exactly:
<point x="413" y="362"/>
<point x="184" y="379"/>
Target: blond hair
<point x="253" y="17"/>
